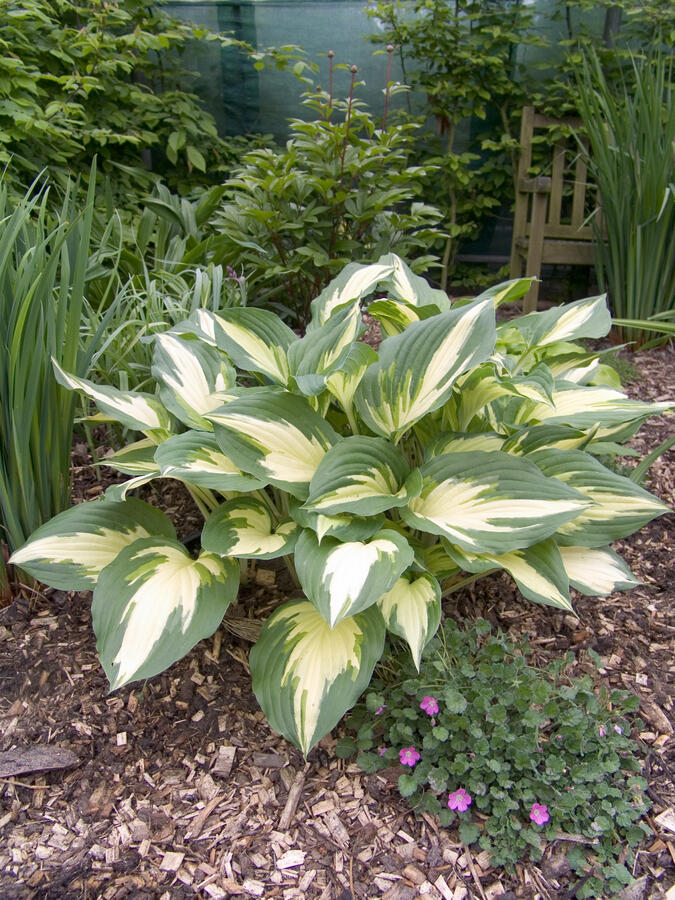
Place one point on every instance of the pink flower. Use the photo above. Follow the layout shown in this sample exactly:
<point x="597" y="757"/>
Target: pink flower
<point x="409" y="756"/>
<point x="380" y="710"/>
<point x="601" y="730"/>
<point x="383" y="750"/>
<point x="429" y="705"/>
<point x="618" y="729"/>
<point x="539" y="813"/>
<point x="459" y="800"/>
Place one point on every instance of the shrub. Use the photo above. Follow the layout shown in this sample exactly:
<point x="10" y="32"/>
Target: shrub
<point x="383" y="478"/>
<point x="534" y="752"/>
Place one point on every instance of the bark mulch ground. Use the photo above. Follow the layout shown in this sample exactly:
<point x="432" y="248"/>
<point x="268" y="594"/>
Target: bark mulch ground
<point x="177" y="788"/>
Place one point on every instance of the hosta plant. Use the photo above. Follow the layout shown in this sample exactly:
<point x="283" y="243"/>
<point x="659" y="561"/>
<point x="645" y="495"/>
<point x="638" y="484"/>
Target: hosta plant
<point x="385" y="479"/>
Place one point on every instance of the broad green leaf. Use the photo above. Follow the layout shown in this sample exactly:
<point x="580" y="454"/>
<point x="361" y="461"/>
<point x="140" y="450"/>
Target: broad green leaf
<point x="438" y="563"/>
<point x="597" y="572"/>
<point x="587" y="318"/>
<point x="412" y="610"/>
<point x="342" y="382"/>
<point x="153" y="603"/>
<point x="490" y="502"/>
<point x="416" y="370"/>
<point x="195" y="457"/>
<point x="527" y="440"/>
<point x="244" y="528"/>
<point x="133" y="409"/>
<point x="354" y="282"/>
<point x="457" y="442"/>
<point x="322" y="351"/>
<point x="507" y="291"/>
<point x="616" y="505"/>
<point x="343" y="527"/>
<point x="71" y="550"/>
<point x="275" y="436"/>
<point x="256" y="340"/>
<point x="537" y="570"/>
<point x="306" y="675"/>
<point x="194" y="377"/>
<point x="360" y="475"/>
<point x="134" y="459"/>
<point x="342" y="579"/>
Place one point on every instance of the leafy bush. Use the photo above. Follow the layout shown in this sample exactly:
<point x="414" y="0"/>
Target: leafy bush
<point x="382" y="478"/>
<point x="534" y="752"/>
<point x="293" y="218"/>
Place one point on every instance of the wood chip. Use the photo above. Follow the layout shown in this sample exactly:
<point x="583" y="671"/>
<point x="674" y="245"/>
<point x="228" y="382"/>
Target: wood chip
<point x="253" y="887"/>
<point x="338" y="831"/>
<point x="292" y="800"/>
<point x="171" y="862"/>
<point x="42" y="758"/>
<point x="291" y="858"/>
<point x="666" y="819"/>
<point x="224" y="761"/>
<point x="121" y="739"/>
<point x="199" y="820"/>
<point x="412" y="873"/>
<point x="441" y="886"/>
<point x="269" y="760"/>
<point x="656" y="717"/>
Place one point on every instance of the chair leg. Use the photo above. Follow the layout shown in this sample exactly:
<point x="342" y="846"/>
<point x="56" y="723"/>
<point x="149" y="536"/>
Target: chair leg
<point x="535" y="249"/>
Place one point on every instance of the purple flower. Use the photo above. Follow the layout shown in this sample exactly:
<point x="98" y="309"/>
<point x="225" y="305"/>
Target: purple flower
<point x="409" y="756"/>
<point x="618" y="729"/>
<point x="429" y="705"/>
<point x="383" y="750"/>
<point x="380" y="710"/>
<point x="539" y="813"/>
<point x="601" y="730"/>
<point x="459" y="800"/>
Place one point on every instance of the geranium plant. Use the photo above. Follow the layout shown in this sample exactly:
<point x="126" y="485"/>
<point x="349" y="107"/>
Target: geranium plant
<point x="382" y="477"/>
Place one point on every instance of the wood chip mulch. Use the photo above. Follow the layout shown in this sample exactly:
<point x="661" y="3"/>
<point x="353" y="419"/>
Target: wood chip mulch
<point x="177" y="788"/>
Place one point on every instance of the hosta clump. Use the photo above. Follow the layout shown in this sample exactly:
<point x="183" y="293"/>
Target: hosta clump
<point x="510" y="755"/>
<point x="460" y="447"/>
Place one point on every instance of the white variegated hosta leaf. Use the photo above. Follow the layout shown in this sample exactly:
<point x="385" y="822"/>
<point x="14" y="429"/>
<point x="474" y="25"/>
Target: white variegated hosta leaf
<point x="195" y="457"/>
<point x="460" y="442"/>
<point x="342" y="579"/>
<point x="616" y="505"/>
<point x="473" y="394"/>
<point x="244" y="528"/>
<point x="587" y="318"/>
<point x="490" y="502"/>
<point x="412" y="610"/>
<point x="275" y="436"/>
<point x="576" y="371"/>
<point x="153" y="603"/>
<point x="71" y="550"/>
<point x="360" y="475"/>
<point x="256" y="340"/>
<point x="342" y="382"/>
<point x="116" y="493"/>
<point x="394" y="316"/>
<point x="527" y="440"/>
<point x="436" y="560"/>
<point x="537" y="570"/>
<point x="343" y="527"/>
<point x="596" y="572"/>
<point x="306" y="675"/>
<point x="354" y="282"/>
<point x="194" y="377"/>
<point x="412" y="289"/>
<point x="134" y="459"/>
<point x="323" y="350"/>
<point x="416" y="370"/>
<point x="507" y="291"/>
<point x="133" y="409"/>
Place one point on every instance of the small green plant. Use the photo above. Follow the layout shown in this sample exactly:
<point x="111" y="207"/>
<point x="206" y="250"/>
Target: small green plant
<point x="511" y="755"/>
<point x="384" y="479"/>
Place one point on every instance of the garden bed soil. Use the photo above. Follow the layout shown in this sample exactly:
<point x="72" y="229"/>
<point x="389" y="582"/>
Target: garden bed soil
<point x="177" y="788"/>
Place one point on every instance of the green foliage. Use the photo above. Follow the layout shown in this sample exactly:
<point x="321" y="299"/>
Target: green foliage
<point x="84" y="79"/>
<point x="510" y="736"/>
<point x="385" y="479"/>
<point x="341" y="189"/>
<point x="632" y="161"/>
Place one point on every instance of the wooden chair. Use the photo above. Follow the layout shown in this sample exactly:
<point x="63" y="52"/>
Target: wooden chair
<point x="551" y="210"/>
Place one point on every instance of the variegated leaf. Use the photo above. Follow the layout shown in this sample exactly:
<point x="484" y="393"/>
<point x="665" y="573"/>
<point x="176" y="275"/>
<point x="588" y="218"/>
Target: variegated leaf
<point x="256" y="340"/>
<point x="306" y="675"/>
<point x="412" y="610"/>
<point x="616" y="505"/>
<point x="416" y="370"/>
<point x="459" y="442"/>
<point x="587" y="318"/>
<point x="276" y="437"/>
<point x="537" y="570"/>
<point x="322" y="350"/>
<point x="597" y="572"/>
<point x="394" y="316"/>
<point x="354" y="282"/>
<point x="507" y="291"/>
<point x="194" y="377"/>
<point x="71" y="550"/>
<point x="474" y="392"/>
<point x="342" y="579"/>
<point x="343" y="527"/>
<point x="153" y="603"/>
<point x="134" y="459"/>
<point x="244" y="528"/>
<point x="539" y="437"/>
<point x="361" y="475"/>
<point x="342" y="382"/>
<point x="414" y="290"/>
<point x="490" y="502"/>
<point x="133" y="409"/>
<point x="116" y="493"/>
<point x="195" y="457"/>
